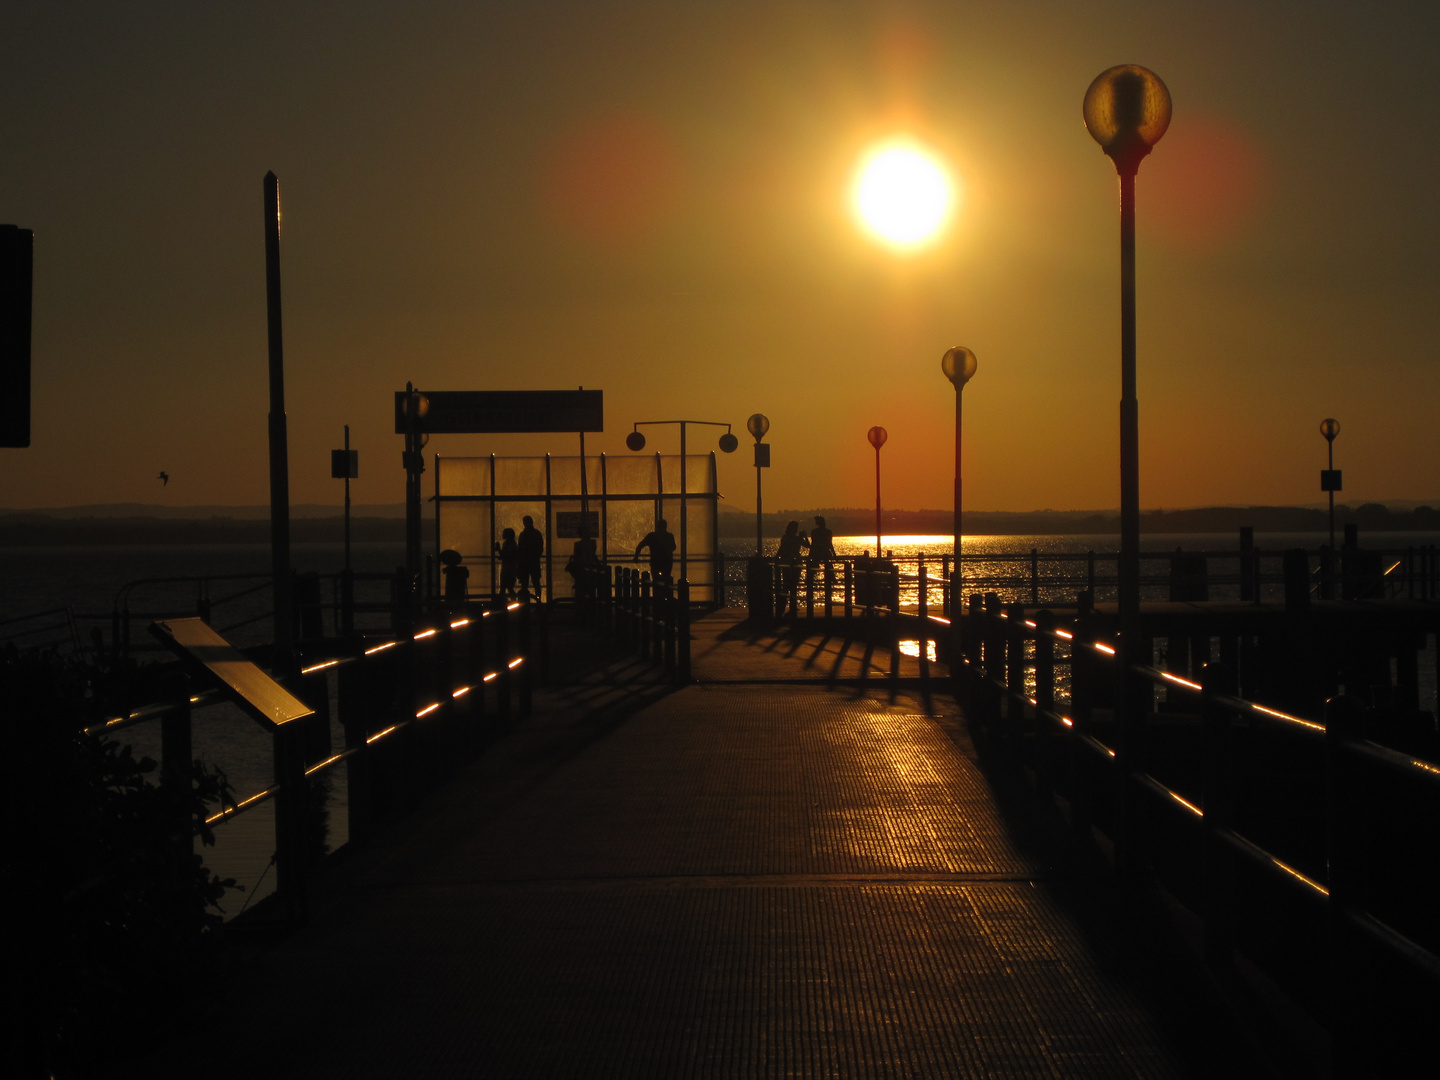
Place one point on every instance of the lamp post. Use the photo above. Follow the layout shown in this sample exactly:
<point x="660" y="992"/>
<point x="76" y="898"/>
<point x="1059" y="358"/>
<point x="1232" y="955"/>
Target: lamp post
<point x="1126" y="110"/>
<point x="877" y="436"/>
<point x="728" y="444"/>
<point x="1330" y="478"/>
<point x="758" y="425"/>
<point x="959" y="366"/>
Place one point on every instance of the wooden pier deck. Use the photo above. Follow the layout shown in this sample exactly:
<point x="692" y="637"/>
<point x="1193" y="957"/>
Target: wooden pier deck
<point x="793" y="867"/>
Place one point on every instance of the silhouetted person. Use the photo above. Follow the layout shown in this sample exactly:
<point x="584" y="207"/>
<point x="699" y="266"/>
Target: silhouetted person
<point x="532" y="546"/>
<point x="457" y="577"/>
<point x="582" y="566"/>
<point x="509" y="561"/>
<point x="789" y="559"/>
<point x="822" y="542"/>
<point x="661" y="543"/>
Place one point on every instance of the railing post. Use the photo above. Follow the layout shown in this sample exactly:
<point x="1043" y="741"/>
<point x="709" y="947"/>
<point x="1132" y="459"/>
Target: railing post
<point x="849" y="590"/>
<point x="1349" y="996"/>
<point x="1045" y="706"/>
<point x="922" y="610"/>
<point x="352" y="705"/>
<point x="291" y="821"/>
<point x="1082" y="698"/>
<point x="525" y="653"/>
<point x="502" y="658"/>
<point x="829" y="590"/>
<point x="1015" y="682"/>
<point x="665" y="610"/>
<point x="1217" y="800"/>
<point x="682" y="631"/>
<point x="176" y="768"/>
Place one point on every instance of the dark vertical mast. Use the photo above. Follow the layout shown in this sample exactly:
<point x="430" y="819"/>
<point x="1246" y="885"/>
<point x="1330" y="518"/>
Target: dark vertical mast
<point x="279" y="446"/>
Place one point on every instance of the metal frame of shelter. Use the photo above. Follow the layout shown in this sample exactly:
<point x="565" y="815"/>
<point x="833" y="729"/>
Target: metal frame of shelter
<point x="475" y="498"/>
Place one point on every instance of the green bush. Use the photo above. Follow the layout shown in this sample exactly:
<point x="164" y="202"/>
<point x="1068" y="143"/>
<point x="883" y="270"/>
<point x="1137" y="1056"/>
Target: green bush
<point x="115" y="918"/>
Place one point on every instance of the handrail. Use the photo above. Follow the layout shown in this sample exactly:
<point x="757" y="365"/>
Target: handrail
<point x="1018" y="647"/>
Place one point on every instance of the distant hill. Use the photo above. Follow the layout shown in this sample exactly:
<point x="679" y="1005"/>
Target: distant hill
<point x="140" y="524"/>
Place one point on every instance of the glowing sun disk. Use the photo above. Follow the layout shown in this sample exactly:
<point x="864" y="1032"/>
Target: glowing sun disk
<point x="903" y="195"/>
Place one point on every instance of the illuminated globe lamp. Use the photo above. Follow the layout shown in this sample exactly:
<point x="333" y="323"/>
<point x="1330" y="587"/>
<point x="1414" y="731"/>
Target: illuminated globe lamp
<point x="959" y="365"/>
<point x="1127" y="110"/>
<point x="758" y="425"/>
<point x="877" y="436"/>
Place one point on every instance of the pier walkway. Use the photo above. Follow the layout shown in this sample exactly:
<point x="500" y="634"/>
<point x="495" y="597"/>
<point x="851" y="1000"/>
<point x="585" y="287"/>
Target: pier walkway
<point x="794" y="867"/>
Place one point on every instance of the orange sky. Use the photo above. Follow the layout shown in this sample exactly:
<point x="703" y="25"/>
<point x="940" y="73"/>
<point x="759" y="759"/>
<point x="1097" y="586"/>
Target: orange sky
<point x="651" y="199"/>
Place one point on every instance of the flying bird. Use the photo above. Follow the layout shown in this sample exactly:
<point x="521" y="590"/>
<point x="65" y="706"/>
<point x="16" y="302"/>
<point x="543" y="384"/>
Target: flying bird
<point x="164" y="478"/>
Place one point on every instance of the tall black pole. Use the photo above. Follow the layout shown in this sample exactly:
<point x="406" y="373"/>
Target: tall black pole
<point x="759" y="538"/>
<point x="878" y="552"/>
<point x="684" y="513"/>
<point x="1330" y="445"/>
<point x="955" y="575"/>
<point x="1129" y="423"/>
<point x="347" y="498"/>
<point x="279" y="446"/>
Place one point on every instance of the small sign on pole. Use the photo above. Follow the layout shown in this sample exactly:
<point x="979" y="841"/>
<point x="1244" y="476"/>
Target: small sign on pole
<point x="762" y="455"/>
<point x="344" y="464"/>
<point x="1330" y="480"/>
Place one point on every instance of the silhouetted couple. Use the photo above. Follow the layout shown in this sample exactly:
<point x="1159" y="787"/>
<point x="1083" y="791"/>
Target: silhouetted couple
<point x="521" y="556"/>
<point x="821" y="543"/>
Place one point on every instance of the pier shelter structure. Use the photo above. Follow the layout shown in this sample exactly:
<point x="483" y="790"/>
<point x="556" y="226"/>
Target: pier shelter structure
<point x="617" y="500"/>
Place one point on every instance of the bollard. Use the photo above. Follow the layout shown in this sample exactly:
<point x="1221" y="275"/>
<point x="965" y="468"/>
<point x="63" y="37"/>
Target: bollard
<point x="1217" y="760"/>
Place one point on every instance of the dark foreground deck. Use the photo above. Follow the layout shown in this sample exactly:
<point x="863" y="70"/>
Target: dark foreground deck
<point x="752" y="876"/>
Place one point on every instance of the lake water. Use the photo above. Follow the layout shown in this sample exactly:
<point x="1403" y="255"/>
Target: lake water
<point x="94" y="582"/>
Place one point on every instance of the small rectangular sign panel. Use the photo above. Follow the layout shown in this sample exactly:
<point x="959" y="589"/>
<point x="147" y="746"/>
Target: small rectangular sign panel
<point x="1330" y="480"/>
<point x="568" y="523"/>
<point x="253" y="690"/>
<point x="475" y="412"/>
<point x="344" y="464"/>
<point x="762" y="455"/>
<point x="17" y="248"/>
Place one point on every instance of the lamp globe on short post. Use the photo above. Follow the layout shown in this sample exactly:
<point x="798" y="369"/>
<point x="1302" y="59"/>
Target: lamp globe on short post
<point x="1126" y="110"/>
<point x="959" y="366"/>
<point x="877" y="436"/>
<point x="1330" y="479"/>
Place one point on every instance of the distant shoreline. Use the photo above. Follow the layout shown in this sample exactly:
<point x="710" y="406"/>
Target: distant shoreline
<point x="310" y="525"/>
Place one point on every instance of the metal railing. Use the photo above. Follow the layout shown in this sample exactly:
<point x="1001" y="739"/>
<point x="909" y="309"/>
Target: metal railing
<point x="1302" y="844"/>
<point x="1056" y="578"/>
<point x="411" y="707"/>
<point x="647" y="613"/>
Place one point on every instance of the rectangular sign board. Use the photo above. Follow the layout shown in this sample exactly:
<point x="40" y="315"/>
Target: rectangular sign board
<point x="17" y="249"/>
<point x="1330" y="480"/>
<point x="568" y="523"/>
<point x="475" y="412"/>
<point x="253" y="690"/>
<point x="344" y="464"/>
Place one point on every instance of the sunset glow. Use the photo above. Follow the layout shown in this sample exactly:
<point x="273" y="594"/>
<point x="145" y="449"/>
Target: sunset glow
<point x="903" y="195"/>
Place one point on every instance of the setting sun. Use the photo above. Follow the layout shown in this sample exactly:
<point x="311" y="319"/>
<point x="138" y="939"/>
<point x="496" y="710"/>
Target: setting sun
<point x="903" y="195"/>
